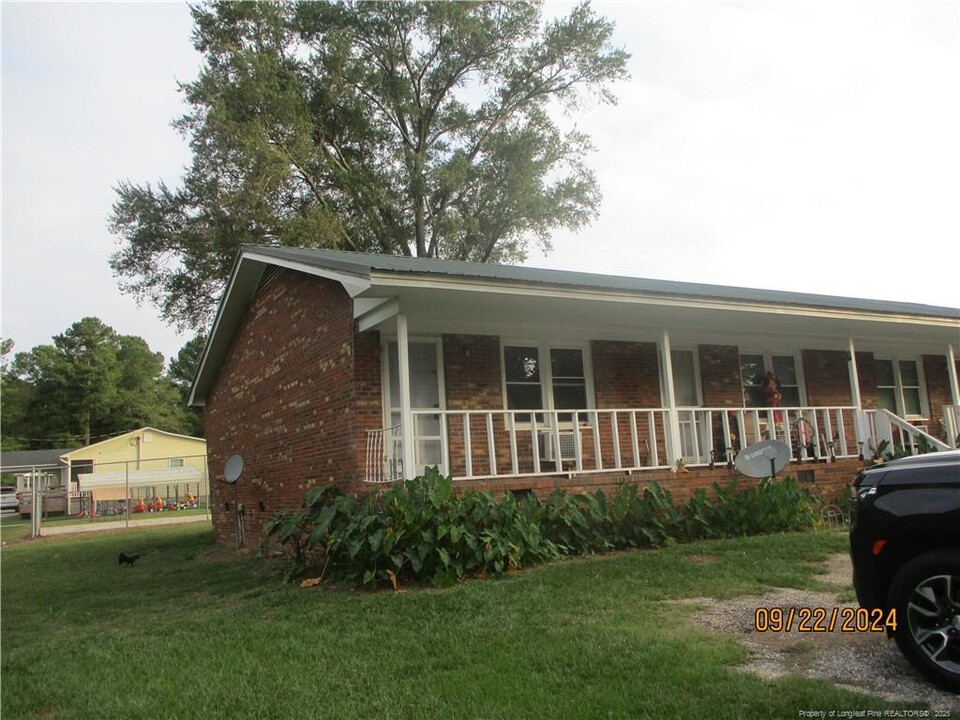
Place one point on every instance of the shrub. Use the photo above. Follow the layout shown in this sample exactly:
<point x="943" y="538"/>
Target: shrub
<point x="421" y="531"/>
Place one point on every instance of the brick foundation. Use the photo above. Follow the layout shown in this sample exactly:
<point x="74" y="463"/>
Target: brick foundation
<point x="829" y="480"/>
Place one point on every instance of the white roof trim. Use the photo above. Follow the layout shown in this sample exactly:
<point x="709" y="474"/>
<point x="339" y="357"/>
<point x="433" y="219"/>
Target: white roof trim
<point x="353" y="284"/>
<point x="387" y="280"/>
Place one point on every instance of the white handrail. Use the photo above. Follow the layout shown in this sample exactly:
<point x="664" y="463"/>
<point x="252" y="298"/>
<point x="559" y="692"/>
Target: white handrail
<point x="900" y="433"/>
<point x="487" y="444"/>
<point x="383" y="455"/>
<point x="951" y="424"/>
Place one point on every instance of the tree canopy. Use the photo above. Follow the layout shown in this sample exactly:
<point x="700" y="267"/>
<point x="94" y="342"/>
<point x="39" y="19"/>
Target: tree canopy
<point x="414" y="128"/>
<point x="90" y="383"/>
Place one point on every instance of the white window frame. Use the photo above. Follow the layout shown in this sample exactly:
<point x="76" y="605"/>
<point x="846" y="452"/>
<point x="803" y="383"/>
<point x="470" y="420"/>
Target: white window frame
<point x="546" y="372"/>
<point x="895" y="360"/>
<point x="175" y="459"/>
<point x="768" y="356"/>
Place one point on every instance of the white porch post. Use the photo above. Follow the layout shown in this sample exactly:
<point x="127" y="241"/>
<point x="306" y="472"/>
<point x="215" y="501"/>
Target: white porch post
<point x="860" y="418"/>
<point x="854" y="377"/>
<point x="406" y="416"/>
<point x="674" y="451"/>
<point x="952" y="374"/>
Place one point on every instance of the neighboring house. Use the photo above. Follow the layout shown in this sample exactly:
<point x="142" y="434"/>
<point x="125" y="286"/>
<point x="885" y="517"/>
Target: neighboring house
<point x="326" y="366"/>
<point x="36" y="467"/>
<point x="141" y="463"/>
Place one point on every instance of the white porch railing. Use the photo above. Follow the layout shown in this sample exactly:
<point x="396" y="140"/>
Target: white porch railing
<point x="488" y="444"/>
<point x="483" y="444"/>
<point x="951" y="424"/>
<point x="884" y="425"/>
<point x="383" y="455"/>
<point x="812" y="433"/>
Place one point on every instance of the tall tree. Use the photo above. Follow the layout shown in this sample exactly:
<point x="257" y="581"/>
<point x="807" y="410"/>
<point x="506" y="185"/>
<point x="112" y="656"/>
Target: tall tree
<point x="13" y="399"/>
<point x="182" y="370"/>
<point x="414" y="128"/>
<point x="92" y="382"/>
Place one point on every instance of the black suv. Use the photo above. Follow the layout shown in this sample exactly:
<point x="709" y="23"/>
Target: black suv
<point x="905" y="547"/>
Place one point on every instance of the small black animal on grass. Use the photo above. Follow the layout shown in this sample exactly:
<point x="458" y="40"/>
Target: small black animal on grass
<point x="125" y="559"/>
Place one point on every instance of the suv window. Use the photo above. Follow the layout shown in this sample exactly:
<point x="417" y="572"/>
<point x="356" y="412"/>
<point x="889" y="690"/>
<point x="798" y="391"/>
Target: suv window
<point x="919" y="475"/>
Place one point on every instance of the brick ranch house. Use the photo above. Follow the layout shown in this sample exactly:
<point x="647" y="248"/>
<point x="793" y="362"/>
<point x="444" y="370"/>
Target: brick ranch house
<point x="327" y="366"/>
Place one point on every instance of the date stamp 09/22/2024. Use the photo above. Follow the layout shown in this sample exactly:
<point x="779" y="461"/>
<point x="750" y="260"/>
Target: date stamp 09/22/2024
<point x="823" y="619"/>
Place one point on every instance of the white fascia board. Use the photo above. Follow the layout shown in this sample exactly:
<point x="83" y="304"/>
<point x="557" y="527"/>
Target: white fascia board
<point x="244" y="277"/>
<point x="386" y="281"/>
<point x="373" y="316"/>
<point x="353" y="284"/>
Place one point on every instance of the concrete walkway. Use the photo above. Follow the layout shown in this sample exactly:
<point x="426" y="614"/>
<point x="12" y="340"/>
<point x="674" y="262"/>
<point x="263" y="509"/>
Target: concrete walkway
<point x="57" y="529"/>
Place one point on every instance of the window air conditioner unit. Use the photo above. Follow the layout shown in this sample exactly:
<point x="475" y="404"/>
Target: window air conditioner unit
<point x="568" y="447"/>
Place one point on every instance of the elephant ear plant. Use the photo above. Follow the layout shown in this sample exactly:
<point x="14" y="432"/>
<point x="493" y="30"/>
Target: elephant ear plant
<point x="422" y="531"/>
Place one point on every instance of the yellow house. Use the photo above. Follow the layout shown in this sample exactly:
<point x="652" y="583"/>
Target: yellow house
<point x="146" y="464"/>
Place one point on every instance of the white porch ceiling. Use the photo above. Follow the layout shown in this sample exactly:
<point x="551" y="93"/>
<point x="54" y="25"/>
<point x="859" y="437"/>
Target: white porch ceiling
<point x="595" y="316"/>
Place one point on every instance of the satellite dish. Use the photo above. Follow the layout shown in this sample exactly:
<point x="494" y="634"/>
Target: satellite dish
<point x="233" y="468"/>
<point x="763" y="459"/>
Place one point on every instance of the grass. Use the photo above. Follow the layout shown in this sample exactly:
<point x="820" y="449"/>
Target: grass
<point x="195" y="631"/>
<point x="13" y="527"/>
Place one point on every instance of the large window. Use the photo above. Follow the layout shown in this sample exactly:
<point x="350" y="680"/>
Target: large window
<point x="568" y="379"/>
<point x="529" y="385"/>
<point x="898" y="386"/>
<point x="754" y="369"/>
<point x="521" y="367"/>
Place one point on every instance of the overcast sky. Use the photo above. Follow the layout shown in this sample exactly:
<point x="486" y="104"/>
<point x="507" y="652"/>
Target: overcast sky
<point x="807" y="146"/>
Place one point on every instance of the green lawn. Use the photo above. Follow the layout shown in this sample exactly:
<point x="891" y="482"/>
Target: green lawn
<point x="193" y="631"/>
<point x="13" y="527"/>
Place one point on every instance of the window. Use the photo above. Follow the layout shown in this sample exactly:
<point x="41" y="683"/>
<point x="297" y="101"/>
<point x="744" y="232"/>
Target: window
<point x="176" y="463"/>
<point x="684" y="368"/>
<point x="898" y="386"/>
<point x="521" y="367"/>
<point x="568" y="379"/>
<point x="529" y="385"/>
<point x="753" y="370"/>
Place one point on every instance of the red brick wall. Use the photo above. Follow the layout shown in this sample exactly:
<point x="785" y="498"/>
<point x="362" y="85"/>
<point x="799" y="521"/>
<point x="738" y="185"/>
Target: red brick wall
<point x="831" y="480"/>
<point x="368" y="394"/>
<point x="471" y="372"/>
<point x="720" y="376"/>
<point x="827" y="377"/>
<point x="626" y="374"/>
<point x="473" y="381"/>
<point x="284" y="400"/>
<point x="867" y="374"/>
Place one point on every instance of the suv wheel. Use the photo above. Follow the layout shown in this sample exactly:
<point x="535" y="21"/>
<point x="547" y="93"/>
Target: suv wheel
<point x="926" y="596"/>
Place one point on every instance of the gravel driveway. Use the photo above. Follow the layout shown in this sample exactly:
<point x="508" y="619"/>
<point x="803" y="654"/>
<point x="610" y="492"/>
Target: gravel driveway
<point x="864" y="661"/>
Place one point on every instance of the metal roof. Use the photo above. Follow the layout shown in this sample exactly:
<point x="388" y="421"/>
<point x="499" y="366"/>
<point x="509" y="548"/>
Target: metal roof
<point x="362" y="265"/>
<point x="21" y="459"/>
<point x="364" y="274"/>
